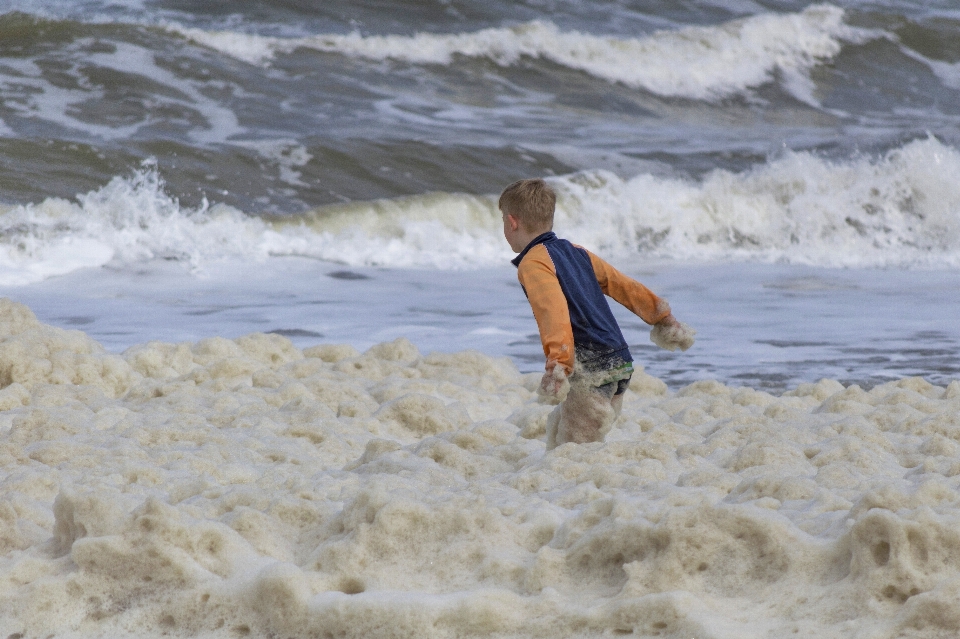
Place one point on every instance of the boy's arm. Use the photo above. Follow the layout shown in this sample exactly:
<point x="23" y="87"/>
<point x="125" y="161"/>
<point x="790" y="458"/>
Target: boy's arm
<point x="629" y="292"/>
<point x="538" y="277"/>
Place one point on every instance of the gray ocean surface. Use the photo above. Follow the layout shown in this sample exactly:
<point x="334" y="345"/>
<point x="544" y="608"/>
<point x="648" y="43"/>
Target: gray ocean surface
<point x="89" y="89"/>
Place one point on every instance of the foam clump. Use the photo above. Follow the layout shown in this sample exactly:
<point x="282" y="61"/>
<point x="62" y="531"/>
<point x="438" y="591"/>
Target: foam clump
<point x="244" y="487"/>
<point x="32" y="353"/>
<point x="678" y="335"/>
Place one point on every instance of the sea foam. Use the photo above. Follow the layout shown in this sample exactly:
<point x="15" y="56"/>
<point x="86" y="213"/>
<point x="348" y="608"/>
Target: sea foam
<point x="246" y="487"/>
<point x="900" y="209"/>
<point x="703" y="63"/>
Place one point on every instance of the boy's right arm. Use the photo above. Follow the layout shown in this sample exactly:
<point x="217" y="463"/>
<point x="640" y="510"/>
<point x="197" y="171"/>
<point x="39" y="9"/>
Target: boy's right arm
<point x="539" y="280"/>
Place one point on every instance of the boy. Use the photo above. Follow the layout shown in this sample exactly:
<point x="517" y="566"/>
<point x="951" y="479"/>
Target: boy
<point x="588" y="364"/>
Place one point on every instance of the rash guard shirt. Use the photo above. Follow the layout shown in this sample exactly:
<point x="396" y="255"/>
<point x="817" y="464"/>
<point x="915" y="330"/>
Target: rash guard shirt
<point x="566" y="287"/>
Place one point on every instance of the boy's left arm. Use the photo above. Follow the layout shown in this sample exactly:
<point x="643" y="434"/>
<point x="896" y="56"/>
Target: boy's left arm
<point x="667" y="332"/>
<point x="631" y="293"/>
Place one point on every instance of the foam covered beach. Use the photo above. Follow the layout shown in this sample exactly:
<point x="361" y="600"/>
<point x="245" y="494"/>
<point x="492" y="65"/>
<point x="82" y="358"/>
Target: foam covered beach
<point x="247" y="487"/>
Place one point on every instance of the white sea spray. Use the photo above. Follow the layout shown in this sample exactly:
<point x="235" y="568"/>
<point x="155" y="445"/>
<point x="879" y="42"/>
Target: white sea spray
<point x="901" y="209"/>
<point x="128" y="220"/>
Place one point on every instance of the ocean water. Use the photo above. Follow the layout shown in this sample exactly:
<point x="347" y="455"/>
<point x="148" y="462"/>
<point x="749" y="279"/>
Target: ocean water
<point x="265" y="369"/>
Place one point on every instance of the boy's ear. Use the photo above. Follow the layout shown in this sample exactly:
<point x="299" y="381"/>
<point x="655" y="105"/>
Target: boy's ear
<point x="514" y="222"/>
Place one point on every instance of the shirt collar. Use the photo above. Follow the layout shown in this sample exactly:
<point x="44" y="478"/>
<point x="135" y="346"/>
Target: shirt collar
<point x="540" y="239"/>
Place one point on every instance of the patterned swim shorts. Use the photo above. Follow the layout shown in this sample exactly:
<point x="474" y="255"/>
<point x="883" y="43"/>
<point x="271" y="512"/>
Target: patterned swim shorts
<point x="606" y="372"/>
<point x="618" y="381"/>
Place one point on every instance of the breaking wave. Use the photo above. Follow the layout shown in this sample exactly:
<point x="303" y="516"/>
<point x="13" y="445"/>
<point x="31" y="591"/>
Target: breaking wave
<point x="901" y="209"/>
<point x="702" y="63"/>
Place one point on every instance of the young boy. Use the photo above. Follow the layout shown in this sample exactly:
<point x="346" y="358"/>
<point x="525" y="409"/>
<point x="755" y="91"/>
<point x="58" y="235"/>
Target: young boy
<point x="588" y="364"/>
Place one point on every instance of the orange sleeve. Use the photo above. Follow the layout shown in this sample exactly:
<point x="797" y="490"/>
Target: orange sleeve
<point x="629" y="292"/>
<point x="538" y="276"/>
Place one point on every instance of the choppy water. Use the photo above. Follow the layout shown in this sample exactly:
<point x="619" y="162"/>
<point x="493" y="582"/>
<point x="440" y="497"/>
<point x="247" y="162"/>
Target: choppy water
<point x="279" y="107"/>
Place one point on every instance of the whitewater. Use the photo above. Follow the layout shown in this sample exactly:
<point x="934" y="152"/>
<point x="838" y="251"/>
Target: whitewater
<point x="708" y="63"/>
<point x="896" y="210"/>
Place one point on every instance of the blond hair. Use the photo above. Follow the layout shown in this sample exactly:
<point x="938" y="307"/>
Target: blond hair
<point x="531" y="201"/>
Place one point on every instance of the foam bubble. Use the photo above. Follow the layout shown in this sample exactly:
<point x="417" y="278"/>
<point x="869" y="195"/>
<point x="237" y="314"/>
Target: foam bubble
<point x="704" y="63"/>
<point x="246" y="487"/>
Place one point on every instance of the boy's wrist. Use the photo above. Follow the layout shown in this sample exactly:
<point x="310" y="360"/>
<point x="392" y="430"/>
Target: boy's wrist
<point x="669" y="320"/>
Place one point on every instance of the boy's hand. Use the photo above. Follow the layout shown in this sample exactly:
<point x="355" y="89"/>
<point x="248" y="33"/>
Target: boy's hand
<point x="670" y="334"/>
<point x="553" y="386"/>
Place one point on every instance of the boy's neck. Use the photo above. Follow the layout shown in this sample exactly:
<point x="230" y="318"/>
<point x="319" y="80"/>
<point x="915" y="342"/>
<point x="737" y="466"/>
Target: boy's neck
<point x="528" y="236"/>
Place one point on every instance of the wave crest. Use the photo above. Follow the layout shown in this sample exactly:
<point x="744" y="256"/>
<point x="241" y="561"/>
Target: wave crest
<point x="901" y="209"/>
<point x="703" y="63"/>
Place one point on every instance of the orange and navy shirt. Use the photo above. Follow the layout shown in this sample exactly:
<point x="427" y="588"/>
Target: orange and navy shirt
<point x="565" y="285"/>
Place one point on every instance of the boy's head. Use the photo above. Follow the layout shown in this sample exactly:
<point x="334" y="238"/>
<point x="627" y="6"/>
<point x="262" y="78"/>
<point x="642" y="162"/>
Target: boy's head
<point x="532" y="202"/>
<point x="527" y="207"/>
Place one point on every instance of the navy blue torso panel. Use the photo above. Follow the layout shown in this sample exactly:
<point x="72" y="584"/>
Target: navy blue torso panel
<point x="596" y="334"/>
